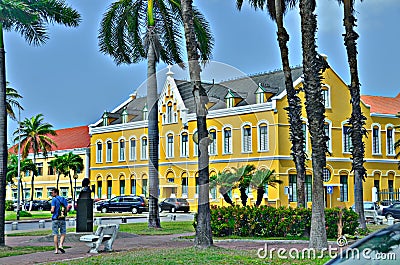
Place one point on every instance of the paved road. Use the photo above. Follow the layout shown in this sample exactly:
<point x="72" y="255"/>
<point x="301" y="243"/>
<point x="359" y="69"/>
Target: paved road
<point x="164" y="216"/>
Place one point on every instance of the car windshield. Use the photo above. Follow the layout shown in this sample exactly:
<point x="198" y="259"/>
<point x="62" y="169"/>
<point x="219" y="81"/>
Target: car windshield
<point x="368" y="205"/>
<point x="181" y="200"/>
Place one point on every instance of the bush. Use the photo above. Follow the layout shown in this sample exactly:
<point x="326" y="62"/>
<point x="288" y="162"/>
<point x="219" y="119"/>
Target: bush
<point x="25" y="214"/>
<point x="9" y="205"/>
<point x="266" y="221"/>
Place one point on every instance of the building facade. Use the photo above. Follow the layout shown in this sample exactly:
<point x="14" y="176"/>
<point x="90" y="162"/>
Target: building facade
<point x="248" y="124"/>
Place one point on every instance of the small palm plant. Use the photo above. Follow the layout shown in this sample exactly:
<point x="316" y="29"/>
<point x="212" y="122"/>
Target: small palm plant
<point x="12" y="97"/>
<point x="244" y="175"/>
<point x="225" y="181"/>
<point x="260" y="179"/>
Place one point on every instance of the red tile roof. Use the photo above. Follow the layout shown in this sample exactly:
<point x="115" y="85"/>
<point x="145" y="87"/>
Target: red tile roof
<point x="383" y="105"/>
<point x="69" y="138"/>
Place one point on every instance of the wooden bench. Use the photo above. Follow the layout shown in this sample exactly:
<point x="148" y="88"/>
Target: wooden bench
<point x="372" y="216"/>
<point x="105" y="234"/>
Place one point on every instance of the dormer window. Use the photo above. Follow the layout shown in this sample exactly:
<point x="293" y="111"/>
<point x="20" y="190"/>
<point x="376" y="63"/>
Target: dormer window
<point x="145" y="113"/>
<point x="232" y="99"/>
<point x="124" y="116"/>
<point x="264" y="92"/>
<point x="105" y="118"/>
<point x="230" y="102"/>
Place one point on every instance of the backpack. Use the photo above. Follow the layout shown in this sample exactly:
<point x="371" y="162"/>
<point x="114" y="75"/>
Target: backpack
<point x="62" y="211"/>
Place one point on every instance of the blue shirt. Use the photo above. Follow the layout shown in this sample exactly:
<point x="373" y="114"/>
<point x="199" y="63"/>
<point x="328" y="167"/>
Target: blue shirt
<point x="56" y="202"/>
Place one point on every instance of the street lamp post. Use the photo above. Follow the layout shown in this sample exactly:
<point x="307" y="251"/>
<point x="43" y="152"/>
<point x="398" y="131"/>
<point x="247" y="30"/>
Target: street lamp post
<point x="19" y="164"/>
<point x="75" y="178"/>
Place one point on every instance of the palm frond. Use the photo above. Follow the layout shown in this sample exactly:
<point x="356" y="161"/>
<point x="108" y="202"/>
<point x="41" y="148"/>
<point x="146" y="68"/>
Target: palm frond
<point x="204" y="35"/>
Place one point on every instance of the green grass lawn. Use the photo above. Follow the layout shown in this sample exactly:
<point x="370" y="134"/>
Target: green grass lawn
<point x="189" y="256"/>
<point x="37" y="233"/>
<point x="12" y="216"/>
<point x="167" y="228"/>
<point x="15" y="251"/>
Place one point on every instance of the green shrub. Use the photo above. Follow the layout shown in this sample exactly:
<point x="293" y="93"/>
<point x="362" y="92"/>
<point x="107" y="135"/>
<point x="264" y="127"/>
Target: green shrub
<point x="266" y="221"/>
<point x="9" y="205"/>
<point x="25" y="214"/>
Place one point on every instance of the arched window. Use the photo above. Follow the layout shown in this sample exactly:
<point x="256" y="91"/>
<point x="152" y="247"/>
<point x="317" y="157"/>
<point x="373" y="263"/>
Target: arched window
<point x="170" y="145"/>
<point x="184" y="144"/>
<point x="347" y="143"/>
<point x="169" y="112"/>
<point x="326" y="96"/>
<point x="212" y="148"/>
<point x="344" y="188"/>
<point x="227" y="140"/>
<point x="376" y="139"/>
<point x="390" y="140"/>
<point x="246" y="138"/>
<point x="99" y="152"/>
<point x="133" y="185"/>
<point x="143" y="153"/>
<point x="109" y="151"/>
<point x="195" y="145"/>
<point x="262" y="137"/>
<point x="121" y="150"/>
<point x="132" y="149"/>
<point x="122" y="185"/>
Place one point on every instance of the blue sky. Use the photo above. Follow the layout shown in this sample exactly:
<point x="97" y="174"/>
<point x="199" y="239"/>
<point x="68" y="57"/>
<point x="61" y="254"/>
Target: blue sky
<point x="72" y="83"/>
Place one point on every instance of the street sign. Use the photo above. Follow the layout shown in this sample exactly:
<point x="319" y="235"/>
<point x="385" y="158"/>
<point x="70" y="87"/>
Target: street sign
<point x="329" y="189"/>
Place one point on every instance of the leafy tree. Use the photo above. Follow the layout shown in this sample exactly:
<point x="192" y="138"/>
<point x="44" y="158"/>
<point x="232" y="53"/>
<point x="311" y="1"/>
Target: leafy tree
<point x="276" y="10"/>
<point x="71" y="162"/>
<point x="260" y="179"/>
<point x="313" y="63"/>
<point x="29" y="18"/>
<point x="12" y="97"/>
<point x="244" y="175"/>
<point x="34" y="137"/>
<point x="199" y="42"/>
<point x="357" y="119"/>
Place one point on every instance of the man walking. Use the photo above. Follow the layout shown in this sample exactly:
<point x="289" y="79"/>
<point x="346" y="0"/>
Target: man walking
<point x="58" y="224"/>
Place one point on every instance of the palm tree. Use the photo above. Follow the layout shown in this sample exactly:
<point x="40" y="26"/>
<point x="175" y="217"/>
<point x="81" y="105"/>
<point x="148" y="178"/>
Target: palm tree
<point x="357" y="119"/>
<point x="276" y="10"/>
<point x="244" y="175"/>
<point x="71" y="162"/>
<point x="12" y="97"/>
<point x="262" y="178"/>
<point x="199" y="45"/>
<point x="134" y="30"/>
<point x="312" y="65"/>
<point x="12" y="168"/>
<point x="34" y="137"/>
<point x="29" y="18"/>
<point x="58" y="165"/>
<point x="225" y="181"/>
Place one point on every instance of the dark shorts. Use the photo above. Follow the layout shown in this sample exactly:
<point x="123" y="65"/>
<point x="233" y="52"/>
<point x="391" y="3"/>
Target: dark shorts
<point x="59" y="227"/>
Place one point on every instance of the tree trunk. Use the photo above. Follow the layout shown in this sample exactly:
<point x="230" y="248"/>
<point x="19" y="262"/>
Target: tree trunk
<point x="357" y="119"/>
<point x="294" y="109"/>
<point x="315" y="114"/>
<point x="203" y="229"/>
<point x="3" y="138"/>
<point x="32" y="181"/>
<point x="260" y="194"/>
<point x="227" y="198"/>
<point x="58" y="179"/>
<point x="152" y="105"/>
<point x="243" y="196"/>
<point x="72" y="190"/>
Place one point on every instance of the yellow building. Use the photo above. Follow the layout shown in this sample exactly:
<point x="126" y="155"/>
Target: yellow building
<point x="75" y="140"/>
<point x="248" y="125"/>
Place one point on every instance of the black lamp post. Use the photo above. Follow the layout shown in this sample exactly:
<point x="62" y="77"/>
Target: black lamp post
<point x="75" y="178"/>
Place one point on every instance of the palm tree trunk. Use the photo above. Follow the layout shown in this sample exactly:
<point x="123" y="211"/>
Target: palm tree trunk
<point x="152" y="104"/>
<point x="227" y="198"/>
<point x="357" y="119"/>
<point x="3" y="138"/>
<point x="315" y="114"/>
<point x="72" y="190"/>
<point x="32" y="181"/>
<point x="58" y="179"/>
<point x="260" y="193"/>
<point x="294" y="109"/>
<point x="203" y="229"/>
<point x="243" y="196"/>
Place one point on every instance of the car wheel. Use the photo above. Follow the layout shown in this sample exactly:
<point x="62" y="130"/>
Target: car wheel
<point x="173" y="210"/>
<point x="104" y="210"/>
<point x="134" y="210"/>
<point x="40" y="208"/>
<point x="389" y="215"/>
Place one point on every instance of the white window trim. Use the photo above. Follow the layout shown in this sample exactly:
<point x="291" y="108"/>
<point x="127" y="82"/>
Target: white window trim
<point x="180" y="144"/>
<point x="391" y="126"/>
<point x="141" y="148"/>
<point x="307" y="133"/>
<point x="111" y="153"/>
<point x="216" y="143"/>
<point x="130" y="153"/>
<point x="330" y="135"/>
<point x="99" y="160"/>
<point x="328" y="101"/>
<point x="259" y="136"/>
<point x="119" y="149"/>
<point x="223" y="140"/>
<point x="195" y="146"/>
<point x="344" y="123"/>
<point x="379" y="139"/>
<point x="251" y="137"/>
<point x="166" y="144"/>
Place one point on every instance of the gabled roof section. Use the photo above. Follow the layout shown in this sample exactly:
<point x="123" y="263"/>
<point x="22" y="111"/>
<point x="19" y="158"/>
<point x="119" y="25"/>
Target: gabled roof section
<point x="382" y="105"/>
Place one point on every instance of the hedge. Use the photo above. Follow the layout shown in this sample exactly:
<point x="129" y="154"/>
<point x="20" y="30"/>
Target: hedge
<point x="267" y="221"/>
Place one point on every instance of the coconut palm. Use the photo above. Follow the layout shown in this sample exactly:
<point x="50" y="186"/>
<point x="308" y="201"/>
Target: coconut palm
<point x="312" y="65"/>
<point x="34" y="138"/>
<point x="12" y="97"/>
<point x="58" y="165"/>
<point x="225" y="181"/>
<point x="260" y="179"/>
<point x="357" y="119"/>
<point x="199" y="45"/>
<point x="244" y="175"/>
<point x="71" y="162"/>
<point x="29" y="18"/>
<point x="134" y="30"/>
<point x="276" y="10"/>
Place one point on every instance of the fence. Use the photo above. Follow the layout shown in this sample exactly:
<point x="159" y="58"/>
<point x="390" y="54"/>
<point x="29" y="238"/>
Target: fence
<point x="388" y="195"/>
